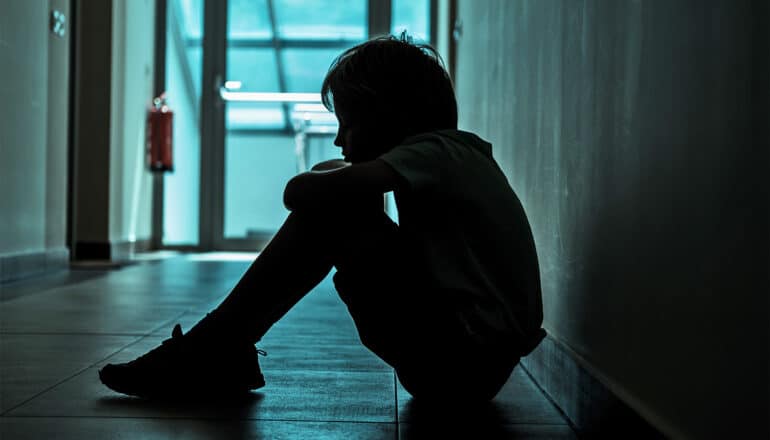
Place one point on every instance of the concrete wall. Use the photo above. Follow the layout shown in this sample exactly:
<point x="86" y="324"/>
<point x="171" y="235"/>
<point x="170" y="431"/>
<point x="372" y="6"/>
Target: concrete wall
<point x="24" y="100"/>
<point x="34" y="93"/>
<point x="628" y="129"/>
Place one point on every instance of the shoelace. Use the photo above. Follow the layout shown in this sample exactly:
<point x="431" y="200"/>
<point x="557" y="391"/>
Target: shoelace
<point x="177" y="333"/>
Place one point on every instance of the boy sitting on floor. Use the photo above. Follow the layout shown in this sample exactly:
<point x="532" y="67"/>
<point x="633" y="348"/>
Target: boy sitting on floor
<point x="450" y="297"/>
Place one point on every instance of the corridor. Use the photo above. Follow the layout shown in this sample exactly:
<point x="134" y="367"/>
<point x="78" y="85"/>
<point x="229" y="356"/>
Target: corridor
<point x="633" y="133"/>
<point x="58" y="330"/>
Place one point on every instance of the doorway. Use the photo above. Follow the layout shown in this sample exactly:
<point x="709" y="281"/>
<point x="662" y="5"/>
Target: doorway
<point x="243" y="77"/>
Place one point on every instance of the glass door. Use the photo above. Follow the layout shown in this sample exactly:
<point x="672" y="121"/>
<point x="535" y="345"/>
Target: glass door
<point x="278" y="52"/>
<point x="183" y="48"/>
<point x="249" y="74"/>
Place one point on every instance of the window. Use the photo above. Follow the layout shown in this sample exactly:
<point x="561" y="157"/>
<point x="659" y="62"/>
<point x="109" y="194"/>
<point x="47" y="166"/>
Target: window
<point x="288" y="46"/>
<point x="411" y="16"/>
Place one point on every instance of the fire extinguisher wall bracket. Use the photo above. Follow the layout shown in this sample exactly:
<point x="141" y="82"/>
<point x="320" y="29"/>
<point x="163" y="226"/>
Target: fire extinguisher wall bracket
<point x="159" y="136"/>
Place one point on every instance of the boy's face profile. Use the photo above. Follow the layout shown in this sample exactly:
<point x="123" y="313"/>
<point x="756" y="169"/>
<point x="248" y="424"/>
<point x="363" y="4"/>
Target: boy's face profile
<point x="344" y="137"/>
<point x="359" y="141"/>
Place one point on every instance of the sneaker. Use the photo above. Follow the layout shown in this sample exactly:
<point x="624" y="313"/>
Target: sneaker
<point x="180" y="367"/>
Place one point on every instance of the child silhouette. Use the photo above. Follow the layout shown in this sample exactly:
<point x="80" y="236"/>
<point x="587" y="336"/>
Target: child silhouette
<point x="449" y="297"/>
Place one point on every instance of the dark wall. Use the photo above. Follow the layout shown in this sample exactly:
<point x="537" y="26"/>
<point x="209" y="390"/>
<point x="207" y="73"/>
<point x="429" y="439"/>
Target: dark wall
<point x="634" y="133"/>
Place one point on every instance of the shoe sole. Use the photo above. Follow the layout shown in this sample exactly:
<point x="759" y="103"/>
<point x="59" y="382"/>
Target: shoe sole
<point x="184" y="392"/>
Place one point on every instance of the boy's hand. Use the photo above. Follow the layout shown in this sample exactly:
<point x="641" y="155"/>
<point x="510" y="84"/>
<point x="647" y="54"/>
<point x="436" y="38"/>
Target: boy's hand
<point x="330" y="165"/>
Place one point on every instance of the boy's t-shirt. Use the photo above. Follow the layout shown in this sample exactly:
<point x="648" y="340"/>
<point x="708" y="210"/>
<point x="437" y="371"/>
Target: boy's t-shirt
<point x="468" y="231"/>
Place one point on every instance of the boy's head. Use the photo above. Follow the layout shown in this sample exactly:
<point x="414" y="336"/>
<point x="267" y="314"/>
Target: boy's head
<point x="385" y="90"/>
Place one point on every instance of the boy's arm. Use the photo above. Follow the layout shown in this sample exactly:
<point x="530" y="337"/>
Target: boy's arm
<point x="353" y="182"/>
<point x="329" y="165"/>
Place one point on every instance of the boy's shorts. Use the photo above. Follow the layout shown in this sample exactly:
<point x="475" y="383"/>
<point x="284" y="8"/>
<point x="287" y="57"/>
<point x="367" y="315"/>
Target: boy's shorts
<point x="412" y="327"/>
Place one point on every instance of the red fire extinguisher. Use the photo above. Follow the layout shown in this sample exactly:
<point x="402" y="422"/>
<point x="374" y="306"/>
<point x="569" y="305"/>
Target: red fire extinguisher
<point x="159" y="135"/>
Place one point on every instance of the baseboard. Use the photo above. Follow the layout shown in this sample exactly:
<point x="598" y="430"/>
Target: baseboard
<point x="24" y="265"/>
<point x="117" y="251"/>
<point x="125" y="250"/>
<point x="593" y="409"/>
<point x="89" y="250"/>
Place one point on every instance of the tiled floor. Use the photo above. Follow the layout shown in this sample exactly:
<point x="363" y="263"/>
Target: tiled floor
<point x="57" y="331"/>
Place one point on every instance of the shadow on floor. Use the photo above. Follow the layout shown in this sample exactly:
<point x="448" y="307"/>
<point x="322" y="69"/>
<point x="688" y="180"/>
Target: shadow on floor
<point x="453" y="419"/>
<point x="236" y="407"/>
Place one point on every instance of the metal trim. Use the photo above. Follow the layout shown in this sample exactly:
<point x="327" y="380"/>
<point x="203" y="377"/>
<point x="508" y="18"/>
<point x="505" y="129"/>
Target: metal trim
<point x="212" y="124"/>
<point x="379" y="18"/>
<point x="280" y="97"/>
<point x="159" y="86"/>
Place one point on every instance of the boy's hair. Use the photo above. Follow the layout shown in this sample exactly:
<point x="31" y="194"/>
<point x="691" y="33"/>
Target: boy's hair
<point x="401" y="88"/>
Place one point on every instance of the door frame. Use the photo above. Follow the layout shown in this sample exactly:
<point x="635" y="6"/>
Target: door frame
<point x="213" y="129"/>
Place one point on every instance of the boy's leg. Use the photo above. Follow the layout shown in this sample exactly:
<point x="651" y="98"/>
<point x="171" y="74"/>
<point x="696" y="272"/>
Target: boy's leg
<point x="398" y="315"/>
<point x="414" y="327"/>
<point x="218" y="355"/>
<point x="299" y="256"/>
<point x="294" y="262"/>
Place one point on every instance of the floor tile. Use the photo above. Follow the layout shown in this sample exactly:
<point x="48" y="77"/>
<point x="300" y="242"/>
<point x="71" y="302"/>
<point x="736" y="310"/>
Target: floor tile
<point x="105" y="316"/>
<point x="30" y="364"/>
<point x="463" y="429"/>
<point x="66" y="428"/>
<point x="321" y="381"/>
<point x="38" y="285"/>
<point x="316" y="325"/>
<point x="333" y="395"/>
<point x="313" y="354"/>
<point x="300" y="353"/>
<point x="518" y="411"/>
<point x="359" y="396"/>
<point x="288" y="395"/>
<point x="321" y="315"/>
<point x="519" y="401"/>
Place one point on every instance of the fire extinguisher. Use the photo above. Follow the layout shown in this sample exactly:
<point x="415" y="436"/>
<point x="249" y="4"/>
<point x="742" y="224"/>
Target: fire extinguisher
<point x="159" y="135"/>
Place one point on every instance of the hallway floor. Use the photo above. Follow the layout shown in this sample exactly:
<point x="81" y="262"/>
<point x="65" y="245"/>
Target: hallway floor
<point x="57" y="331"/>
